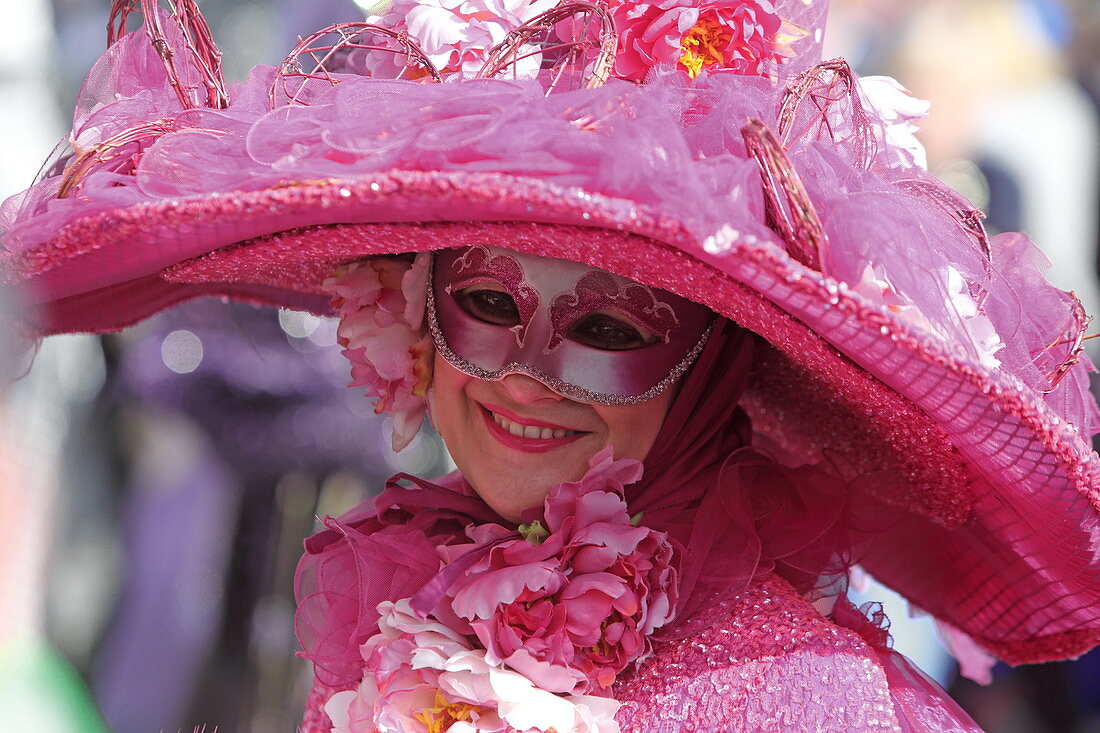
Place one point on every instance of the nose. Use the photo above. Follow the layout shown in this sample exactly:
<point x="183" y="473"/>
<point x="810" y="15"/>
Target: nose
<point x="526" y="390"/>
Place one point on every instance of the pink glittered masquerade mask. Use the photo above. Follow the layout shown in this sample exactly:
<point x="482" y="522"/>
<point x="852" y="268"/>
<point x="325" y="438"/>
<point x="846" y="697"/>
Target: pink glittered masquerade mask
<point x="583" y="332"/>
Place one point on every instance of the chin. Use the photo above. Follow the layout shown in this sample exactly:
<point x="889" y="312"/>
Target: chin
<point x="522" y="482"/>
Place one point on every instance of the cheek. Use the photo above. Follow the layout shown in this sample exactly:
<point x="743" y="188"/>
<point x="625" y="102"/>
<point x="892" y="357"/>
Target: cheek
<point x="445" y="397"/>
<point x="632" y="429"/>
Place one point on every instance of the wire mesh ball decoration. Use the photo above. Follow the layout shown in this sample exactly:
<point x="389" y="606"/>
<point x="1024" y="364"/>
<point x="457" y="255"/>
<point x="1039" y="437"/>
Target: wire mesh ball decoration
<point x="568" y="47"/>
<point x="348" y="48"/>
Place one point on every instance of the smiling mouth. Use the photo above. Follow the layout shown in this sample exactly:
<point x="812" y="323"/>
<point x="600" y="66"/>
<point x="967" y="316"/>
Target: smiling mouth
<point x="531" y="431"/>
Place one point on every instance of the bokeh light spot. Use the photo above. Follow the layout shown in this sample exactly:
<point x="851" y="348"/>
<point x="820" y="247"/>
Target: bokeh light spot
<point x="181" y="351"/>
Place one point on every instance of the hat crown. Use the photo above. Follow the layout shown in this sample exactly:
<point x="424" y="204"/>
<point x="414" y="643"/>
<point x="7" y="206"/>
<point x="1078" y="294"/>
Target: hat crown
<point x="568" y="43"/>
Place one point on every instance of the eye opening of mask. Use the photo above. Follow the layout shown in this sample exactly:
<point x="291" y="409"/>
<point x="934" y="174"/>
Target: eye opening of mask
<point x="610" y="330"/>
<point x="489" y="303"/>
<point x="606" y="329"/>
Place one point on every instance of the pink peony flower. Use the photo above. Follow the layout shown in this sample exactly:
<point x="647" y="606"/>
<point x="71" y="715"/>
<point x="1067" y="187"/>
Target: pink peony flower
<point x="422" y="676"/>
<point x="741" y="35"/>
<point x="381" y="304"/>
<point x="572" y="604"/>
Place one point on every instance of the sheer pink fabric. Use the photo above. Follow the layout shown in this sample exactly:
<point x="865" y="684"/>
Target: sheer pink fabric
<point x="383" y="550"/>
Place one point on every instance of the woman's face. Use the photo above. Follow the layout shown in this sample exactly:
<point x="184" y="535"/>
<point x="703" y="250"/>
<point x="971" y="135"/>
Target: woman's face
<point x="541" y="363"/>
<point x="480" y="422"/>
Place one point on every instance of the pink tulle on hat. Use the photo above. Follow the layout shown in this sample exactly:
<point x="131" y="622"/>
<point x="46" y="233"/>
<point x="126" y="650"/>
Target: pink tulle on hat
<point x="901" y="341"/>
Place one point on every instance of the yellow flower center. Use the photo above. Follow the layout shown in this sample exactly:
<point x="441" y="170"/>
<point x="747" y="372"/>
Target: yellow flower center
<point x="703" y="45"/>
<point x="534" y="532"/>
<point x="422" y="353"/>
<point x="444" y="714"/>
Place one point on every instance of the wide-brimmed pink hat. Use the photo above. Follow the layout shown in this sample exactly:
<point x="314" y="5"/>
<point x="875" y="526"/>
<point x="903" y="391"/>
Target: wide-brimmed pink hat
<point x="700" y="147"/>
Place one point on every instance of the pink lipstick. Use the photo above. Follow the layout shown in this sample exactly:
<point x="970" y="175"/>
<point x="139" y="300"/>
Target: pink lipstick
<point x="546" y="440"/>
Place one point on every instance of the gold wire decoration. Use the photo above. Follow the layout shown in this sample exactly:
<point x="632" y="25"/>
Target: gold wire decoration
<point x="572" y="46"/>
<point x="804" y="112"/>
<point x="198" y="49"/>
<point x="787" y="206"/>
<point x="343" y="49"/>
<point x="1064" y="350"/>
<point x="117" y="154"/>
<point x="965" y="216"/>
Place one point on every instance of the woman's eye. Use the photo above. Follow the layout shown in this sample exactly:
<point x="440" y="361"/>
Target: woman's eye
<point x="489" y="306"/>
<point x="602" y="331"/>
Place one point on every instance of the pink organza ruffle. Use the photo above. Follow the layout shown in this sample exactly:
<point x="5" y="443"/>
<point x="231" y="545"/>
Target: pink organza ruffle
<point x="381" y="551"/>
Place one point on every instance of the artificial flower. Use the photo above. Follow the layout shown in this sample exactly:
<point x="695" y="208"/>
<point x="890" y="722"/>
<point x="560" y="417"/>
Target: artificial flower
<point x="573" y="608"/>
<point x="533" y="632"/>
<point x="975" y="663"/>
<point x="741" y="35"/>
<point x="381" y="305"/>
<point x="899" y="111"/>
<point x="457" y="35"/>
<point x="977" y="328"/>
<point x="424" y="677"/>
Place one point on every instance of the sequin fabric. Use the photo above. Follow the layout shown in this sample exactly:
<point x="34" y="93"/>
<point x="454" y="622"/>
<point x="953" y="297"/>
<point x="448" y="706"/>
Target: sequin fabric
<point x="763" y="661"/>
<point x="766" y="662"/>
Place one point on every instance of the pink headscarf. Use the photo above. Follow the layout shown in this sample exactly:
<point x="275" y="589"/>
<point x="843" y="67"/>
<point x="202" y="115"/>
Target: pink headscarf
<point x="732" y="511"/>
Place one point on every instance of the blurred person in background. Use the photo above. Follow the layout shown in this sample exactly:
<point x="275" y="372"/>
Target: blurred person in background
<point x="1016" y="129"/>
<point x="1013" y="86"/>
<point x="1007" y="104"/>
<point x="235" y="426"/>
<point x="145" y="447"/>
<point x="39" y="688"/>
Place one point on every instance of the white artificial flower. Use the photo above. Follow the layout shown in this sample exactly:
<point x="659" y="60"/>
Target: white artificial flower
<point x="983" y="334"/>
<point x="412" y="664"/>
<point x="899" y="110"/>
<point x="977" y="328"/>
<point x="457" y="35"/>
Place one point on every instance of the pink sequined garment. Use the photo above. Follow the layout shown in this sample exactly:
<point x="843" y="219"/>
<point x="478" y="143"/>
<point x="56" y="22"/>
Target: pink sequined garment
<point x="763" y="661"/>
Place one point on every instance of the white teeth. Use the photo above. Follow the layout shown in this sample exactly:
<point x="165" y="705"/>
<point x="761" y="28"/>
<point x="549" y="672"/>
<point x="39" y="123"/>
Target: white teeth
<point x="530" y="431"/>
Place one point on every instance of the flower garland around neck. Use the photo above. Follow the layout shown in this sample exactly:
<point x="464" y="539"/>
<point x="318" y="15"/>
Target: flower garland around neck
<point x="531" y="631"/>
<point x="381" y="304"/>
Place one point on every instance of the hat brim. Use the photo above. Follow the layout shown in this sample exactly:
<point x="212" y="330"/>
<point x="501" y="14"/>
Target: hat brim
<point x="1002" y="494"/>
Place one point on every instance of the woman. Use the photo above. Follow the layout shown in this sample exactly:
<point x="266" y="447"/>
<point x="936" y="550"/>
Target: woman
<point x="913" y="397"/>
<point x="544" y="371"/>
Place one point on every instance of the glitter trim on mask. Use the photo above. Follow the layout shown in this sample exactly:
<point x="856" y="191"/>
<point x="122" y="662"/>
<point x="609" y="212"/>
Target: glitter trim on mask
<point x="601" y="290"/>
<point x="479" y="262"/>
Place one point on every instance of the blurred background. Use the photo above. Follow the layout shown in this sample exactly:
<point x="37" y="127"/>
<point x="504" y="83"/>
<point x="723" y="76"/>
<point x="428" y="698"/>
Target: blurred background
<point x="156" y="485"/>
